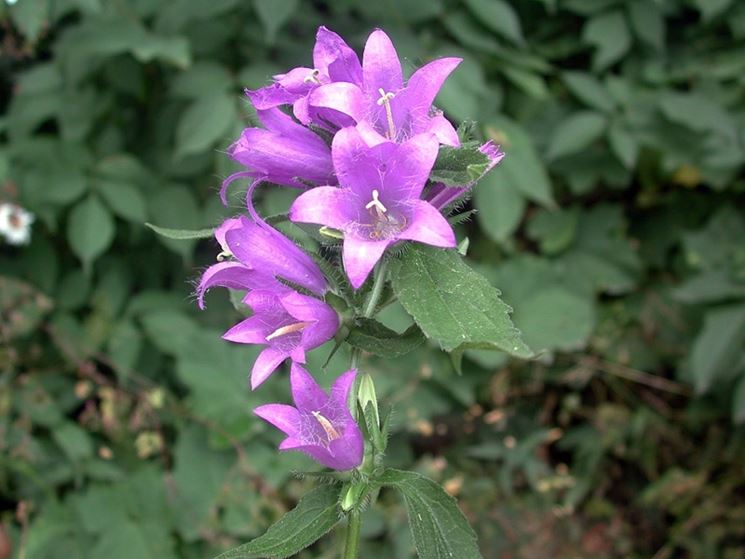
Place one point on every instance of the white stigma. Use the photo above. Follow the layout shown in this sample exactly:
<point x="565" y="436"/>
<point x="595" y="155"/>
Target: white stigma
<point x="312" y="77"/>
<point x="289" y="329"/>
<point x="380" y="209"/>
<point x="385" y="100"/>
<point x="331" y="433"/>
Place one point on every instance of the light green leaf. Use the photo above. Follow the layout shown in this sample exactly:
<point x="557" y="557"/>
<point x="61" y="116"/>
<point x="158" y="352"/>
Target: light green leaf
<point x="438" y="526"/>
<point x="575" y="133"/>
<point x="609" y="34"/>
<point x="498" y="16"/>
<point x="204" y="123"/>
<point x="500" y="206"/>
<point x="373" y="337"/>
<point x="315" y="514"/>
<point x="90" y="229"/>
<point x="182" y="234"/>
<point x="124" y="200"/>
<point x="274" y="14"/>
<point x="521" y="167"/>
<point x="589" y="90"/>
<point x="453" y="304"/>
<point x="718" y="346"/>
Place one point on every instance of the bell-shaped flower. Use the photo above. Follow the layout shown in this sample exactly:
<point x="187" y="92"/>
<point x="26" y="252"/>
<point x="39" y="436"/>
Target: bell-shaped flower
<point x="441" y="196"/>
<point x="319" y="424"/>
<point x="288" y="323"/>
<point x="378" y="201"/>
<point x="259" y="255"/>
<point x="333" y="61"/>
<point x="383" y="106"/>
<point x="284" y="152"/>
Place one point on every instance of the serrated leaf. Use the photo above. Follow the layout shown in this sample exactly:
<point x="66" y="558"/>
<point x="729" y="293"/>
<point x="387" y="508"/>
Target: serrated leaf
<point x="575" y="133"/>
<point x="315" y="514"/>
<point x="438" y="526"/>
<point x="90" y="229"/>
<point x="459" y="166"/>
<point x="203" y="123"/>
<point x="453" y="304"/>
<point x="182" y="234"/>
<point x="373" y="337"/>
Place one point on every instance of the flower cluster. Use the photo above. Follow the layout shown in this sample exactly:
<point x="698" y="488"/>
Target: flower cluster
<point x="361" y="143"/>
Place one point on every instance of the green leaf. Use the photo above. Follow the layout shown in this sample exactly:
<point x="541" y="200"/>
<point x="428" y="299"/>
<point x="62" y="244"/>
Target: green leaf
<point x="74" y="441"/>
<point x="274" y="14"/>
<point x="123" y="199"/>
<point x="30" y="17"/>
<point x="315" y="514"/>
<point x="718" y="346"/>
<point x="182" y="234"/>
<point x="90" y="229"/>
<point x="589" y="90"/>
<point x="500" y="206"/>
<point x="204" y="123"/>
<point x="459" y="166"/>
<point x="738" y="402"/>
<point x="453" y="304"/>
<point x="554" y="230"/>
<point x="609" y="34"/>
<point x="648" y="22"/>
<point x="623" y="144"/>
<point x="575" y="133"/>
<point x="438" y="526"/>
<point x="498" y="16"/>
<point x="530" y="82"/>
<point x="373" y="337"/>
<point x="521" y="168"/>
<point x="174" y="207"/>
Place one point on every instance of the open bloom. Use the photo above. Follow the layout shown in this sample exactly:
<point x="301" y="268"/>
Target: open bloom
<point x="378" y="202"/>
<point x="441" y="196"/>
<point x="381" y="104"/>
<point x="288" y="323"/>
<point x="284" y="152"/>
<point x="260" y="254"/>
<point x="319" y="424"/>
<point x="15" y="224"/>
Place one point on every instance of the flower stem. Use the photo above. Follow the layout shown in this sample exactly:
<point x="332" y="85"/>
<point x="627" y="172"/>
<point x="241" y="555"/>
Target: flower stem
<point x="377" y="290"/>
<point x="352" y="545"/>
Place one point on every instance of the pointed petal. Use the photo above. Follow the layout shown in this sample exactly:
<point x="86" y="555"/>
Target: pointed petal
<point x="327" y="205"/>
<point x="333" y="54"/>
<point x="381" y="68"/>
<point x="306" y="393"/>
<point x="428" y="226"/>
<point x="316" y="452"/>
<point x="252" y="330"/>
<point x="442" y="129"/>
<point x="341" y="387"/>
<point x="266" y="363"/>
<point x="370" y="135"/>
<point x="348" y="450"/>
<point x="224" y="227"/>
<point x="425" y="83"/>
<point x="283" y="417"/>
<point x="225" y="274"/>
<point x="409" y="169"/>
<point x="344" y="97"/>
<point x="360" y="257"/>
<point x="358" y="166"/>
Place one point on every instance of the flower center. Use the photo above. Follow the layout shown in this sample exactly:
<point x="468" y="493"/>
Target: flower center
<point x="312" y="78"/>
<point x="385" y="100"/>
<point x="385" y="222"/>
<point x="331" y="433"/>
<point x="289" y="329"/>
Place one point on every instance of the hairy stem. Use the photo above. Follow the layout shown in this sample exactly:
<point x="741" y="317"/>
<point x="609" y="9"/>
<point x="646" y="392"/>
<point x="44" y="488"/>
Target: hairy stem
<point x="352" y="545"/>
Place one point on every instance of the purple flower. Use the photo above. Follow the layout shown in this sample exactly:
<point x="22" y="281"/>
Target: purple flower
<point x="441" y="196"/>
<point x="378" y="202"/>
<point x="284" y="152"/>
<point x="288" y="323"/>
<point x="381" y="104"/>
<point x="261" y="254"/>
<point x="319" y="424"/>
<point x="333" y="61"/>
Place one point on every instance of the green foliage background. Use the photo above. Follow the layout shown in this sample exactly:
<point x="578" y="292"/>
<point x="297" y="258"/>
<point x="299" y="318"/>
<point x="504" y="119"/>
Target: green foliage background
<point x="614" y="228"/>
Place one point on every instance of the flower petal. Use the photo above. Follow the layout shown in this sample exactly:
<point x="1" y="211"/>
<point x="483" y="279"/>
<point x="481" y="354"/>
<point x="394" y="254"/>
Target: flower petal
<point x="252" y="330"/>
<point x="409" y="169"/>
<point x="340" y="390"/>
<point x="348" y="450"/>
<point x="344" y="97"/>
<point x="324" y="320"/>
<point x="360" y="257"/>
<point x="425" y="83"/>
<point x="283" y="417"/>
<point x="224" y="227"/>
<point x="381" y="68"/>
<point x="225" y="274"/>
<point x="270" y="96"/>
<point x="327" y="205"/>
<point x="266" y="363"/>
<point x="428" y="226"/>
<point x="442" y="128"/>
<point x="306" y="393"/>
<point x="332" y="53"/>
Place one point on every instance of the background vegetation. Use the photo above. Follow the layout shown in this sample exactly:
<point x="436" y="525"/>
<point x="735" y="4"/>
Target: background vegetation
<point x="614" y="228"/>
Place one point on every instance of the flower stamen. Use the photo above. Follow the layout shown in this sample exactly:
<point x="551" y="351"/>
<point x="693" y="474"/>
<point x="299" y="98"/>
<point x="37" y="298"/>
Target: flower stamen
<point x="289" y="329"/>
<point x="331" y="433"/>
<point x="377" y="205"/>
<point x="385" y="99"/>
<point x="313" y="77"/>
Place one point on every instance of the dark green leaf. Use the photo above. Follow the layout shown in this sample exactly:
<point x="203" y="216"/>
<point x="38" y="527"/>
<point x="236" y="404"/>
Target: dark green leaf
<point x="315" y="514"/>
<point x="576" y="133"/>
<point x="438" y="526"/>
<point x="274" y="14"/>
<point x="459" y="166"/>
<point x="90" y="229"/>
<point x="498" y="16"/>
<point x="589" y="90"/>
<point x="648" y="22"/>
<point x="718" y="346"/>
<point x="124" y="200"/>
<point x="500" y="206"/>
<point x="182" y="234"/>
<point x="609" y="33"/>
<point x="373" y="337"/>
<point x="206" y="121"/>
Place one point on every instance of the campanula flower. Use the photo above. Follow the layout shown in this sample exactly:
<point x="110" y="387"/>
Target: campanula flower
<point x="284" y="152"/>
<point x="259" y="254"/>
<point x="288" y="323"/>
<point x="378" y="202"/>
<point x="382" y="105"/>
<point x="319" y="424"/>
<point x="441" y="196"/>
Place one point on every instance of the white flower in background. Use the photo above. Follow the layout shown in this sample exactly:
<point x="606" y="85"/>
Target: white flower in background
<point x="15" y="224"/>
